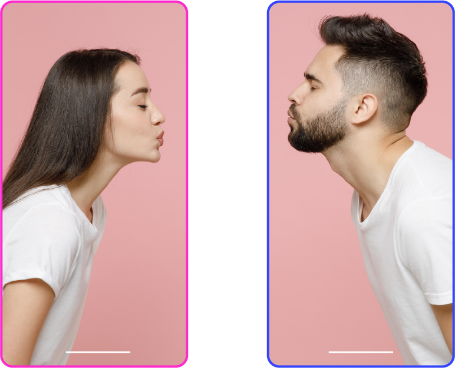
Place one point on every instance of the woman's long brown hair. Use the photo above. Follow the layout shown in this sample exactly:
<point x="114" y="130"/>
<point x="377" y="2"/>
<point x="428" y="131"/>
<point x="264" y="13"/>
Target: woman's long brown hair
<point x="67" y="125"/>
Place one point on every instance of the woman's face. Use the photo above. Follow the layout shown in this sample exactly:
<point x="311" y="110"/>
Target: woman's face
<point x="135" y="120"/>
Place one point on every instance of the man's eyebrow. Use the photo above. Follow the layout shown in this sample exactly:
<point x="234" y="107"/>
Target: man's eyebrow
<point x="311" y="77"/>
<point x="141" y="90"/>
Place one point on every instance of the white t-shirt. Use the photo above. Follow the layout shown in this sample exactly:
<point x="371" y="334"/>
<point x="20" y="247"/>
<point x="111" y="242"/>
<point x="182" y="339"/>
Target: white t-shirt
<point x="47" y="236"/>
<point x="406" y="244"/>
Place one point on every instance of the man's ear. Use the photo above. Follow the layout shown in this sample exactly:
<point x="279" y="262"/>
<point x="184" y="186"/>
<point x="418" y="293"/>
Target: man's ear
<point x="363" y="108"/>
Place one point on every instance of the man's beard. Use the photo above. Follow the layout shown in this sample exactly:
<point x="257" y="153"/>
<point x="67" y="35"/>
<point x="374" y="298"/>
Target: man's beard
<point x="319" y="133"/>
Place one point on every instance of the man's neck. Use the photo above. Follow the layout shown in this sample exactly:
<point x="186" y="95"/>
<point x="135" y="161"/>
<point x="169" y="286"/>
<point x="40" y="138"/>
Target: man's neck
<point x="366" y="163"/>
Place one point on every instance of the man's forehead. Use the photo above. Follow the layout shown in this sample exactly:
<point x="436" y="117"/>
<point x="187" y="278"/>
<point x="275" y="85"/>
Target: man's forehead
<point x="330" y="53"/>
<point x="323" y="64"/>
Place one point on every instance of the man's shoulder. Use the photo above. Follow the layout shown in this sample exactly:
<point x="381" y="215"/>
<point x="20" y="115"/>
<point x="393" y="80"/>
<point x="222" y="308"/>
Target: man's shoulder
<point x="432" y="168"/>
<point x="424" y="173"/>
<point x="425" y="214"/>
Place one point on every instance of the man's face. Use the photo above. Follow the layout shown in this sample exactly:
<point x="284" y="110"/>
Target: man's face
<point x="316" y="116"/>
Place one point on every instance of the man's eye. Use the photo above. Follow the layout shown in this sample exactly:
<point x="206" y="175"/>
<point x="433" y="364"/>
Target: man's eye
<point x="143" y="106"/>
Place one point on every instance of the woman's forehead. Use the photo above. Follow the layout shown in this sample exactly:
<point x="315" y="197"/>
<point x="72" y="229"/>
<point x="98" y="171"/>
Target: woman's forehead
<point x="131" y="77"/>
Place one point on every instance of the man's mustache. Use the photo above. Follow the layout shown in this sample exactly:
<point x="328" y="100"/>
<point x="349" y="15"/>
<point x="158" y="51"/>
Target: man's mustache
<point x="292" y="112"/>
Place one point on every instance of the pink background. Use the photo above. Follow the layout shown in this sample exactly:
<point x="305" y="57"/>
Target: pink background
<point x="320" y="297"/>
<point x="137" y="296"/>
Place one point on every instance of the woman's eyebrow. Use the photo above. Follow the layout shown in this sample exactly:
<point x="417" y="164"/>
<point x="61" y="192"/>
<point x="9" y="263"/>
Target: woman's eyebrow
<point x="141" y="90"/>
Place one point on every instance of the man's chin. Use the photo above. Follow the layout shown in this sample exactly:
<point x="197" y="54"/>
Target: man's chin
<point x="290" y="138"/>
<point x="303" y="145"/>
<point x="295" y="144"/>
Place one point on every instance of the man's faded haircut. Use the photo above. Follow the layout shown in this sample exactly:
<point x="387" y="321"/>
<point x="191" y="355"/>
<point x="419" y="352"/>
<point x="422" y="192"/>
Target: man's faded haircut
<point x="378" y="60"/>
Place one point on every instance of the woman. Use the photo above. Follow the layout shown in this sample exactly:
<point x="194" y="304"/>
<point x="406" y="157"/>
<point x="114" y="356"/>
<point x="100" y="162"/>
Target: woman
<point x="93" y="116"/>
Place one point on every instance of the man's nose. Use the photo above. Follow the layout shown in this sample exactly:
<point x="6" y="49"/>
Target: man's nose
<point x="296" y="96"/>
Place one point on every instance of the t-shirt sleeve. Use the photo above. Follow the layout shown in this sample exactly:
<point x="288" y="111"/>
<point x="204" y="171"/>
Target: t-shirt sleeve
<point x="43" y="244"/>
<point x="424" y="232"/>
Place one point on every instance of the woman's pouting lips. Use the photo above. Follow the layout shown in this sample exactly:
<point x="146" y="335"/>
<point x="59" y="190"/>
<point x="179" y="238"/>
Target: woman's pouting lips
<point x="160" y="138"/>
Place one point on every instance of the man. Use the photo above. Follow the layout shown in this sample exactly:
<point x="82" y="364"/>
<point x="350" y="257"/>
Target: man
<point x="357" y="99"/>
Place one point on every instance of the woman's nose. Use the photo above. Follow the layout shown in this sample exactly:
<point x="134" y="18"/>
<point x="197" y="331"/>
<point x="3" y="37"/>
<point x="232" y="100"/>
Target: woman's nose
<point x="157" y="117"/>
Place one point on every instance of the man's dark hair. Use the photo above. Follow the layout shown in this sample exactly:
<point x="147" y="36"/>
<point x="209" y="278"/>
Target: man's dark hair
<point x="378" y="60"/>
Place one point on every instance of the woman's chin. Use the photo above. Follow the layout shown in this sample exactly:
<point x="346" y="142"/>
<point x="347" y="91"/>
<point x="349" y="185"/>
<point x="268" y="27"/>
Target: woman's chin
<point x="155" y="157"/>
<point x="152" y="157"/>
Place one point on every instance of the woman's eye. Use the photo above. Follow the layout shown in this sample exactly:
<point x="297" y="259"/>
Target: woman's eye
<point x="143" y="106"/>
<point x="313" y="88"/>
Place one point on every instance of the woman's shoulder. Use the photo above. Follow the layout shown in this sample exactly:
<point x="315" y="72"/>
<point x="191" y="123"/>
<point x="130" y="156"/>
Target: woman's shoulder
<point x="44" y="195"/>
<point x="42" y="206"/>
